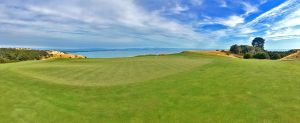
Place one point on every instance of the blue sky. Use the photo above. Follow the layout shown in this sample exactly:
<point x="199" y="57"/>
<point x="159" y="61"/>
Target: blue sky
<point x="148" y="23"/>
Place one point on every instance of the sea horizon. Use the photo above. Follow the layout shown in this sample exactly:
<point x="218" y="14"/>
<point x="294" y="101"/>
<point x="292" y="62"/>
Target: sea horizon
<point x="132" y="52"/>
<point x="128" y="52"/>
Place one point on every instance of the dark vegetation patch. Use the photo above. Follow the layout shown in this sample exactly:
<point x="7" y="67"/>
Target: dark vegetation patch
<point x="257" y="51"/>
<point x="14" y="55"/>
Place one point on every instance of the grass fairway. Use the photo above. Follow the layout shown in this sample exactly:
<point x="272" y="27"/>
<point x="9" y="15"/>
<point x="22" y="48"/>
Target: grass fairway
<point x="182" y="88"/>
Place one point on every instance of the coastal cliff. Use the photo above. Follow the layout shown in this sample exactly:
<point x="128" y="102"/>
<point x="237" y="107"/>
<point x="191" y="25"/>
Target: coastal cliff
<point x="8" y="55"/>
<point x="58" y="54"/>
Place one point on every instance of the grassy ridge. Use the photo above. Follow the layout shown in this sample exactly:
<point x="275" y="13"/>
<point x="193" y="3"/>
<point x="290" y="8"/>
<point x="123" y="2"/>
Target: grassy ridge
<point x="214" y="89"/>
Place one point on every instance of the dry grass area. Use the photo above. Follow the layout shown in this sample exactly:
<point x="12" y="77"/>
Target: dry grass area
<point x="294" y="56"/>
<point x="218" y="53"/>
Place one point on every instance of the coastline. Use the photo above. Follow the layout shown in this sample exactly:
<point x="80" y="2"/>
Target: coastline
<point x="59" y="54"/>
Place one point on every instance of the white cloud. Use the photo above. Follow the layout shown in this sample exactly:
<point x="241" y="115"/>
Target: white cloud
<point x="263" y="2"/>
<point x="178" y="9"/>
<point x="249" y="8"/>
<point x="245" y="30"/>
<point x="98" y="21"/>
<point x="232" y="21"/>
<point x="280" y="23"/>
<point x="291" y="20"/>
<point x="278" y="11"/>
<point x="124" y="21"/>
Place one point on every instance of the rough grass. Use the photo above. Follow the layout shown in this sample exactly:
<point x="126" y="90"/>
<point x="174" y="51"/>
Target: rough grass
<point x="200" y="88"/>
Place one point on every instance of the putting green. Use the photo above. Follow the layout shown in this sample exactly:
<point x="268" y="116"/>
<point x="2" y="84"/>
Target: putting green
<point x="105" y="72"/>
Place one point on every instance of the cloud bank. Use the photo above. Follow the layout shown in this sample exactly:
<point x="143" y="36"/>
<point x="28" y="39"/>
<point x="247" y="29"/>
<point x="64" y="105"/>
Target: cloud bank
<point x="130" y="23"/>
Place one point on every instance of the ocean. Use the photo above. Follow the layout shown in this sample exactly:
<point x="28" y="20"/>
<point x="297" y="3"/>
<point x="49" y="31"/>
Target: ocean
<point x="119" y="53"/>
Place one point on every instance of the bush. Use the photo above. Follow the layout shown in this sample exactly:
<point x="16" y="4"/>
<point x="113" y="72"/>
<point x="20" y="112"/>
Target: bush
<point x="3" y="60"/>
<point x="257" y="50"/>
<point x="248" y="56"/>
<point x="275" y="56"/>
<point x="261" y="55"/>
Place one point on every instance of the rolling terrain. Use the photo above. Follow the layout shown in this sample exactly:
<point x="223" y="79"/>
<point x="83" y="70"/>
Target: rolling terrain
<point x="294" y="56"/>
<point x="187" y="87"/>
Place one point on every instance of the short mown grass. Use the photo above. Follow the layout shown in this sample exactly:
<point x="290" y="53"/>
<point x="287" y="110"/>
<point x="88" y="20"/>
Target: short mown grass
<point x="186" y="87"/>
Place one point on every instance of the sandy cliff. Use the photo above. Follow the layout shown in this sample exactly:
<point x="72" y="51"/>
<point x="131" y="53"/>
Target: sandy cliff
<point x="58" y="54"/>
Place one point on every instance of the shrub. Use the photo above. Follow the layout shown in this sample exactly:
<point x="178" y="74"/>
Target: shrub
<point x="3" y="60"/>
<point x="261" y="55"/>
<point x="257" y="50"/>
<point x="275" y="56"/>
<point x="248" y="56"/>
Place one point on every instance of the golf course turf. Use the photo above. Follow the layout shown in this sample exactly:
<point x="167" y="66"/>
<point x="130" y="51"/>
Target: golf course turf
<point x="180" y="88"/>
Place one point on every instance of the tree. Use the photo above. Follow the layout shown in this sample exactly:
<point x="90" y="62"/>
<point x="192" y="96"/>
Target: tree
<point x="247" y="49"/>
<point x="236" y="49"/>
<point x="261" y="55"/>
<point x="258" y="42"/>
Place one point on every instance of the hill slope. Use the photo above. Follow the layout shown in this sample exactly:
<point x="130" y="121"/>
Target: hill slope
<point x="293" y="56"/>
<point x="189" y="87"/>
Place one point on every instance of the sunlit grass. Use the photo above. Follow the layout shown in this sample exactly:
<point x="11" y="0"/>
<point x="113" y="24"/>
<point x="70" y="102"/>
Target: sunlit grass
<point x="176" y="88"/>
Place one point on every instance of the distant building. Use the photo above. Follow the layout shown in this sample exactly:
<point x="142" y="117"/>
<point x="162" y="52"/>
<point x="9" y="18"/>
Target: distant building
<point x="23" y="48"/>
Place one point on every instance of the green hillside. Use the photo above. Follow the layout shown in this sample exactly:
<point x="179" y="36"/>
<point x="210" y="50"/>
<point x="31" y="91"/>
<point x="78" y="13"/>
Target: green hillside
<point x="183" y="88"/>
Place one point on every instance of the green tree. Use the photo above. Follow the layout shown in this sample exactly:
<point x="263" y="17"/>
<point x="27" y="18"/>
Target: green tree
<point x="258" y="42"/>
<point x="247" y="49"/>
<point x="236" y="49"/>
